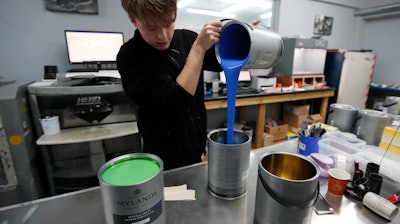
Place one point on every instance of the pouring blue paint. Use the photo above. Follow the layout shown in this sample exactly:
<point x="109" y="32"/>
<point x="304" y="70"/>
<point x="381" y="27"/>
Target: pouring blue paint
<point x="233" y="50"/>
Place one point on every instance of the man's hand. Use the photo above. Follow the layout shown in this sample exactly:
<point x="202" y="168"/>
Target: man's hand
<point x="209" y="35"/>
<point x="256" y="22"/>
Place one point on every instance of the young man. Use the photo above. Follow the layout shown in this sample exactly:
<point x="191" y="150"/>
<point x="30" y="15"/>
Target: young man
<point x="162" y="72"/>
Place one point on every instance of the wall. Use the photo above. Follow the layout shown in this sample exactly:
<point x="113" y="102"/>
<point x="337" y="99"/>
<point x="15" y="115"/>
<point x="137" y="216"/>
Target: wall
<point x="383" y="35"/>
<point x="32" y="37"/>
<point x="293" y="21"/>
<point x="349" y="32"/>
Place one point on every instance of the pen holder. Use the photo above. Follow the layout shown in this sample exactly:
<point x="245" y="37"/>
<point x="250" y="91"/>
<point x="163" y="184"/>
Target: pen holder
<point x="307" y="144"/>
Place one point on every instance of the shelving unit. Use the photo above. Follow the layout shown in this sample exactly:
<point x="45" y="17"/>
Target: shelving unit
<point x="311" y="80"/>
<point x="262" y="99"/>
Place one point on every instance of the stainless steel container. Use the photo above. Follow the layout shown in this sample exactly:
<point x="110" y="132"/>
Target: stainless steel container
<point x="370" y="125"/>
<point x="228" y="163"/>
<point x="287" y="188"/>
<point x="342" y="116"/>
<point x="239" y="40"/>
<point x="132" y="189"/>
<point x="392" y="103"/>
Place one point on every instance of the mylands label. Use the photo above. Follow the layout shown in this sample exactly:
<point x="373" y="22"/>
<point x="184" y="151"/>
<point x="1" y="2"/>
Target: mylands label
<point x="138" y="201"/>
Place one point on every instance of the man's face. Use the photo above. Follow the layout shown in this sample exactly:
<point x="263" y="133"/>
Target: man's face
<point x="157" y="36"/>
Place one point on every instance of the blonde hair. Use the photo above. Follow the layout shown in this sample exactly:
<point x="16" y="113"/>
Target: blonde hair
<point x="162" y="12"/>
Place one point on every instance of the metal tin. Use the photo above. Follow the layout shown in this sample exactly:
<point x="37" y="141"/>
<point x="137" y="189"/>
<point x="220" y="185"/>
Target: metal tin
<point x="370" y="125"/>
<point x="342" y="116"/>
<point x="287" y="188"/>
<point x="392" y="103"/>
<point x="141" y="202"/>
<point x="239" y="40"/>
<point x="228" y="163"/>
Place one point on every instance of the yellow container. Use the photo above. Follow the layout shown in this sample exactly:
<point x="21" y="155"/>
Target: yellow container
<point x="392" y="148"/>
<point x="387" y="136"/>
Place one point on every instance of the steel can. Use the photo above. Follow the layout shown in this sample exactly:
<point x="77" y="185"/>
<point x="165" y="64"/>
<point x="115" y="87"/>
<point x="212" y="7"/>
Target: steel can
<point x="132" y="189"/>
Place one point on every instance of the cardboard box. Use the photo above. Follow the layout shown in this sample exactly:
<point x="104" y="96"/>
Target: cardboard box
<point x="268" y="139"/>
<point x="279" y="132"/>
<point x="294" y="120"/>
<point x="280" y="136"/>
<point x="296" y="109"/>
<point x="315" y="118"/>
<point x="281" y="128"/>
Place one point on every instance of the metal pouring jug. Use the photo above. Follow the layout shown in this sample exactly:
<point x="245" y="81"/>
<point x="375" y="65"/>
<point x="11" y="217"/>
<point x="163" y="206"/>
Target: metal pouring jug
<point x="239" y="40"/>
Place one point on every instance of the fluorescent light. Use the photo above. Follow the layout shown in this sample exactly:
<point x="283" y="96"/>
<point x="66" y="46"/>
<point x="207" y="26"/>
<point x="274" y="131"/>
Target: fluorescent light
<point x="248" y="4"/>
<point x="266" y="15"/>
<point x="210" y="13"/>
<point x="183" y="3"/>
<point x="233" y="8"/>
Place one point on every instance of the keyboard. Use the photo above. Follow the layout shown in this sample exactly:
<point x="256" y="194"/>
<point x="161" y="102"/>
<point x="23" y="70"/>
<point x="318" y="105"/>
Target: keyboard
<point x="244" y="91"/>
<point x="109" y="73"/>
<point x="100" y="73"/>
<point x="80" y="74"/>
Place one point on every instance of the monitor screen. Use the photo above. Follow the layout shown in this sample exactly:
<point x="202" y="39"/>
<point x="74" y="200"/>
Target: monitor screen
<point x="93" y="46"/>
<point x="244" y="77"/>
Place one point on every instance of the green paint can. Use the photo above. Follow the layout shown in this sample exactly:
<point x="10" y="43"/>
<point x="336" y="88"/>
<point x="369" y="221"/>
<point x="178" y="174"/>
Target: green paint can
<point x="132" y="189"/>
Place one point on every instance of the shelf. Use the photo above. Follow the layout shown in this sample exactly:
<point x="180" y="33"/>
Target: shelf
<point x="304" y="79"/>
<point x="89" y="133"/>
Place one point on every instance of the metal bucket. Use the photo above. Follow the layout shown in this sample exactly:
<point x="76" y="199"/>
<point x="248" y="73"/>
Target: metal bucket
<point x="287" y="188"/>
<point x="228" y="163"/>
<point x="392" y="103"/>
<point x="342" y="116"/>
<point x="370" y="125"/>
<point x="239" y="40"/>
<point x="132" y="189"/>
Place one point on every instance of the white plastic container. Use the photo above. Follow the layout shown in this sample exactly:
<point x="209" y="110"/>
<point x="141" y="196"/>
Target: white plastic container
<point x="341" y="152"/>
<point x="347" y="137"/>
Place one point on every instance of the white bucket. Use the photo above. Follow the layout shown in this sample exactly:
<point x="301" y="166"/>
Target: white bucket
<point x="239" y="40"/>
<point x="50" y="125"/>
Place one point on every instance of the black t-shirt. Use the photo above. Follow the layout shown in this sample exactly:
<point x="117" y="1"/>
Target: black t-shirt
<point x="171" y="121"/>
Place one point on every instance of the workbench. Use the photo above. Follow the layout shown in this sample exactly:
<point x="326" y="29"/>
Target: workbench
<point x="86" y="206"/>
<point x="262" y="99"/>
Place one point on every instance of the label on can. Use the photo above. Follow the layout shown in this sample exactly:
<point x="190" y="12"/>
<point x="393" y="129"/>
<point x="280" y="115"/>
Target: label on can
<point x="146" y="216"/>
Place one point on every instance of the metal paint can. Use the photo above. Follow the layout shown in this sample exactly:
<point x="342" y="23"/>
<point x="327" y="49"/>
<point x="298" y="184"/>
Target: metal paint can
<point x="132" y="189"/>
<point x="239" y="40"/>
<point x="370" y="125"/>
<point x="392" y="103"/>
<point x="342" y="116"/>
<point x="228" y="164"/>
<point x="287" y="188"/>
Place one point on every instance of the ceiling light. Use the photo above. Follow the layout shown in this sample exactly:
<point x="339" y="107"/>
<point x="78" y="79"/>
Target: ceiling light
<point x="237" y="6"/>
<point x="210" y="13"/>
<point x="183" y="3"/>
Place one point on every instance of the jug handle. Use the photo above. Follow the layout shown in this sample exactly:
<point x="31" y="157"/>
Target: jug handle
<point x="269" y="191"/>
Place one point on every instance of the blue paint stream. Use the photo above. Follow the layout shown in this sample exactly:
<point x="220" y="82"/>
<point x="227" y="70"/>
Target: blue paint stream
<point x="232" y="69"/>
<point x="233" y="50"/>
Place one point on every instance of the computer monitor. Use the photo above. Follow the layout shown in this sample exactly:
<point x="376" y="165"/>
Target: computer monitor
<point x="243" y="81"/>
<point x="93" y="47"/>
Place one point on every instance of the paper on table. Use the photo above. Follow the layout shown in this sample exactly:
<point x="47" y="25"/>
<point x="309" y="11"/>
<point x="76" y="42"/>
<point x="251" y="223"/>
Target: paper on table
<point x="179" y="193"/>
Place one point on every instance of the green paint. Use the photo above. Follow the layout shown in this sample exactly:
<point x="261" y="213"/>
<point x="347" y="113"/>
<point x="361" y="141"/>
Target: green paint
<point x="130" y="171"/>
